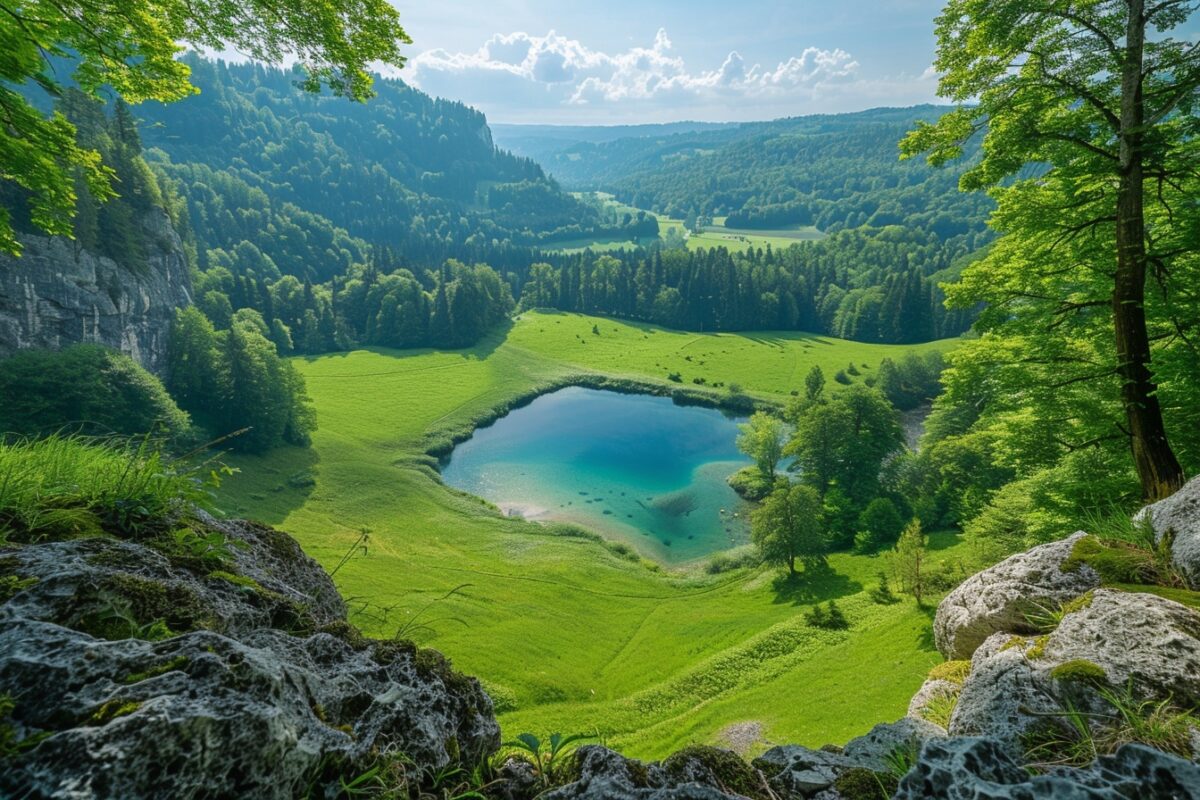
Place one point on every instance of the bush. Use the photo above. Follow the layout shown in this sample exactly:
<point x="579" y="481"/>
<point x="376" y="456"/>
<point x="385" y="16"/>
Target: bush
<point x="86" y="388"/>
<point x="879" y="526"/>
<point x="750" y="483"/>
<point x="829" y="617"/>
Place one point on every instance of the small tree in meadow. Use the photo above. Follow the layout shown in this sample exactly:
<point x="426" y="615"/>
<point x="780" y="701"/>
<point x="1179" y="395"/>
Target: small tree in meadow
<point x="790" y="525"/>
<point x="910" y="560"/>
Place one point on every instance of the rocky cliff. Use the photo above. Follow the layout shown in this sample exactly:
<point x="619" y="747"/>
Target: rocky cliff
<point x="56" y="294"/>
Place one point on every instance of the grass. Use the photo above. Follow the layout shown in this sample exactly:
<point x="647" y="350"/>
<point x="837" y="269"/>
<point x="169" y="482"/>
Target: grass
<point x="715" y="235"/>
<point x="576" y="637"/>
<point x="69" y="485"/>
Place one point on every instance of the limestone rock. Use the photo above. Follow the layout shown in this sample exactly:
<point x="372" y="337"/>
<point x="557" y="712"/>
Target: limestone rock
<point x="931" y="691"/>
<point x="255" y="687"/>
<point x="607" y="775"/>
<point x="973" y="768"/>
<point x="1138" y="640"/>
<point x="795" y="770"/>
<point x="56" y="295"/>
<point x="1178" y="517"/>
<point x="873" y="749"/>
<point x="1001" y="597"/>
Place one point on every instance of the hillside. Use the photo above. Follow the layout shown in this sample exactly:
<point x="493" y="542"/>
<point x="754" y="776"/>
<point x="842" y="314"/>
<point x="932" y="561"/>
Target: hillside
<point x="832" y="171"/>
<point x="403" y="171"/>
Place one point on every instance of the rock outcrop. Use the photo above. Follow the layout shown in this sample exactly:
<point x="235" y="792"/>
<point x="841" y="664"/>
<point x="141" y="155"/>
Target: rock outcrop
<point x="1177" y="518"/>
<point x="56" y="295"/>
<point x="970" y="768"/>
<point x="1003" y="597"/>
<point x="140" y="672"/>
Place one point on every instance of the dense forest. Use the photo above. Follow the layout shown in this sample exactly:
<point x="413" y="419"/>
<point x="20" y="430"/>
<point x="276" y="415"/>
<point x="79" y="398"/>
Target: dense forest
<point x="868" y="285"/>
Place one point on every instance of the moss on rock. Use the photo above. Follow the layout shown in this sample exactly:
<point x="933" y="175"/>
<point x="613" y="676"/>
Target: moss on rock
<point x="1079" y="669"/>
<point x="953" y="671"/>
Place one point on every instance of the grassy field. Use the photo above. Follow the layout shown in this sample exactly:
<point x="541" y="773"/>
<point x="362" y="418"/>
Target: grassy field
<point x="568" y="634"/>
<point x="715" y="235"/>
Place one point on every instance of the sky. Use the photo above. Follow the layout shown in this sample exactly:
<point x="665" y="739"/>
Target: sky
<point x="636" y="61"/>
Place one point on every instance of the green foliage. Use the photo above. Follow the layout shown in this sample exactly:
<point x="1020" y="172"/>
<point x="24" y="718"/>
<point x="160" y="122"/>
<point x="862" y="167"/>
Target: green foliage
<point x="910" y="561"/>
<point x="750" y="483"/>
<point x="1119" y="561"/>
<point x="790" y="525"/>
<point x="86" y="387"/>
<point x="1080" y="348"/>
<point x="1072" y="737"/>
<point x="761" y="439"/>
<point x="131" y="49"/>
<point x="940" y="709"/>
<point x="1079" y="669"/>
<point x="665" y="685"/>
<point x="235" y="381"/>
<point x="828" y="616"/>
<point x="840" y="447"/>
<point x="547" y="756"/>
<point x="953" y="671"/>
<point x="879" y="526"/>
<point x="882" y="593"/>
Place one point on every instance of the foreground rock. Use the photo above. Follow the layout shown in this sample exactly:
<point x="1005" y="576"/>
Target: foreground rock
<point x="142" y="673"/>
<point x="1117" y="641"/>
<point x="1177" y="519"/>
<point x="971" y="768"/>
<point x="1002" y="598"/>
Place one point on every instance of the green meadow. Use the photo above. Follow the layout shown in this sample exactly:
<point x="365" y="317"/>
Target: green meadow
<point x="715" y="235"/>
<point x="568" y="634"/>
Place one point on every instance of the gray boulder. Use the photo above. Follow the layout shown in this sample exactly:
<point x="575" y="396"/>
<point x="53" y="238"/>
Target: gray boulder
<point x="1001" y="597"/>
<point x="1178" y="518"/>
<point x="140" y="672"/>
<point x="931" y="691"/>
<point x="1124" y="639"/>
<point x="973" y="769"/>
<point x="691" y="774"/>
<point x="799" y="771"/>
<point x="906" y="735"/>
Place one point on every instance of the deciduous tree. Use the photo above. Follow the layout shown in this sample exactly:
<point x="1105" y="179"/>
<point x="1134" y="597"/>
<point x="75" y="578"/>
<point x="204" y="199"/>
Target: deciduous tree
<point x="1091" y="150"/>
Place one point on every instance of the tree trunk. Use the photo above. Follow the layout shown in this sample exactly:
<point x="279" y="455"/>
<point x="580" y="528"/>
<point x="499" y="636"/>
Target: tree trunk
<point x="1158" y="469"/>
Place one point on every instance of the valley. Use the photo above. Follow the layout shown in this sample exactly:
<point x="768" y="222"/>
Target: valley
<point x="570" y="635"/>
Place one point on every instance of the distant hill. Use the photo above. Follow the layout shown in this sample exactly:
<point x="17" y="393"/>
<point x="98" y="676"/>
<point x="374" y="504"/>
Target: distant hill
<point x="404" y="171"/>
<point x="834" y="171"/>
<point x="542" y="142"/>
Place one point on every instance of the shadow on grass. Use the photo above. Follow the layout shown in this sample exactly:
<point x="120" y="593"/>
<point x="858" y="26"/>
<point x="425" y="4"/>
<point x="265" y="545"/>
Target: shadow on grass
<point x="925" y="639"/>
<point x="816" y="583"/>
<point x="270" y="486"/>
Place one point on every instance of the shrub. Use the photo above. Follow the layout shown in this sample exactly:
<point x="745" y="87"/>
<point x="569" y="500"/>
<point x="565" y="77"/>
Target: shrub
<point x="829" y="617"/>
<point x="879" y="525"/>
<point x="85" y="388"/>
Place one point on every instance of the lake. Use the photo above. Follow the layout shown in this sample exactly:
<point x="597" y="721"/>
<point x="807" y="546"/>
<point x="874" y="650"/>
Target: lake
<point x="634" y="468"/>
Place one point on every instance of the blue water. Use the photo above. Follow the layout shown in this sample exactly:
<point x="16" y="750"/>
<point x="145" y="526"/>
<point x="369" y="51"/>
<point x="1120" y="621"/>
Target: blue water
<point x="635" y="468"/>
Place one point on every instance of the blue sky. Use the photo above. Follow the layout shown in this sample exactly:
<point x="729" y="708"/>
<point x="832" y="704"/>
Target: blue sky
<point x="625" y="61"/>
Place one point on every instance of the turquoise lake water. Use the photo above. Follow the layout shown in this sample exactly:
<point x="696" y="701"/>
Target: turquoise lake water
<point x="634" y="468"/>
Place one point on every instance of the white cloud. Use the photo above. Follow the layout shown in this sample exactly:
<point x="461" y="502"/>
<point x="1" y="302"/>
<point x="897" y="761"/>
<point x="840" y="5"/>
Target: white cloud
<point x="522" y="76"/>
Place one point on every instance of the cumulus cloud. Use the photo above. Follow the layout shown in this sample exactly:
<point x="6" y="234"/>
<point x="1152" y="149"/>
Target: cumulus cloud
<point x="552" y="76"/>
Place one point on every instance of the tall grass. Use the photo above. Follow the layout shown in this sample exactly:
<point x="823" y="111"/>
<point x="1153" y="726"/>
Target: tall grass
<point x="71" y="485"/>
